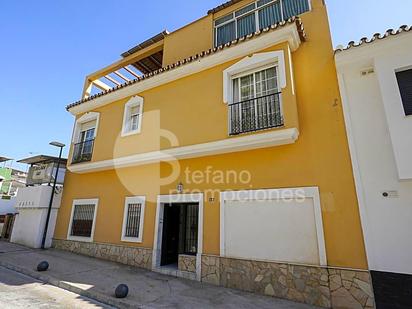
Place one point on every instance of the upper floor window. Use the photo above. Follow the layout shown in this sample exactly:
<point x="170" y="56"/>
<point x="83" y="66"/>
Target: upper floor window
<point x="255" y="16"/>
<point x="255" y="85"/>
<point x="84" y="136"/>
<point x="252" y="88"/>
<point x="405" y="86"/>
<point x="132" y="118"/>
<point x="256" y="102"/>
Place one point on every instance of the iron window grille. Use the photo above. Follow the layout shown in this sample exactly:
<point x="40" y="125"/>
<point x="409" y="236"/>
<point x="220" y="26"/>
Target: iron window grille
<point x="83" y="151"/>
<point x="132" y="228"/>
<point x="82" y="222"/>
<point x="190" y="225"/>
<point x="256" y="114"/>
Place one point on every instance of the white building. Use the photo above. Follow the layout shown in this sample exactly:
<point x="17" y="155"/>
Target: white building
<point x="375" y="79"/>
<point x="33" y="201"/>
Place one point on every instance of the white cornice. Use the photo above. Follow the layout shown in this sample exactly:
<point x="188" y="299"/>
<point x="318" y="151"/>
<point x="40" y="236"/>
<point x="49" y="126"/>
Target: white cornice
<point x="288" y="34"/>
<point x="368" y="51"/>
<point x="249" y="142"/>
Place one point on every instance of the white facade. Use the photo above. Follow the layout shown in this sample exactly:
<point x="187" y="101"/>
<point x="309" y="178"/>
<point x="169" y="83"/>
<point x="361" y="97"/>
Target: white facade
<point x="32" y="206"/>
<point x="380" y="141"/>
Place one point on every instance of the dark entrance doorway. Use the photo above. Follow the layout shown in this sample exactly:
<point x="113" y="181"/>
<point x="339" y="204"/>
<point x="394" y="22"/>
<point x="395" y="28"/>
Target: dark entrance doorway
<point x="180" y="230"/>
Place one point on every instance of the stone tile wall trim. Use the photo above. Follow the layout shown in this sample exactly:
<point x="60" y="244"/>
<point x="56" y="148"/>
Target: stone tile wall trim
<point x="288" y="263"/>
<point x="187" y="263"/>
<point x="133" y="256"/>
<point x="321" y="286"/>
<point x="328" y="287"/>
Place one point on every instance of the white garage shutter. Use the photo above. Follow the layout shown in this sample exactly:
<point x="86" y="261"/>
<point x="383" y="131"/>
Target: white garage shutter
<point x="275" y="230"/>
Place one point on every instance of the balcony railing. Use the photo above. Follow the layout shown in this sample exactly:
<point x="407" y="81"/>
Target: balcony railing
<point x="83" y="152"/>
<point x="256" y="114"/>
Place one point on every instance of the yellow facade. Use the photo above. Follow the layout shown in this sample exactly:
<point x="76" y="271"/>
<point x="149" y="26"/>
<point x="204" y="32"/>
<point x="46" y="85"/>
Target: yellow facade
<point x="192" y="109"/>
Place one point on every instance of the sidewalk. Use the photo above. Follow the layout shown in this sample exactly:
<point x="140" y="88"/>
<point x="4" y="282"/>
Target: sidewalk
<point x="98" y="279"/>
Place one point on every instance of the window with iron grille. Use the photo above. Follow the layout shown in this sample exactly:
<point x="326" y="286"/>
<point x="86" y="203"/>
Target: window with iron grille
<point x="133" y="219"/>
<point x="256" y="102"/>
<point x="83" y="219"/>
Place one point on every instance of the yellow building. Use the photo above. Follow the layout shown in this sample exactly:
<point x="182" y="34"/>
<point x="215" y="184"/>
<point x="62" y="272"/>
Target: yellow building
<point x="218" y="153"/>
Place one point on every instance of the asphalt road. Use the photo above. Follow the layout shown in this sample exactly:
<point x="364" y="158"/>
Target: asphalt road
<point x="20" y="291"/>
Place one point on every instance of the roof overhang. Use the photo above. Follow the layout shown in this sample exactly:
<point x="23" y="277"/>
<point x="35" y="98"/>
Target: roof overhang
<point x="42" y="159"/>
<point x="367" y="49"/>
<point x="291" y="32"/>
<point x="222" y="6"/>
<point x="157" y="38"/>
<point x="4" y="159"/>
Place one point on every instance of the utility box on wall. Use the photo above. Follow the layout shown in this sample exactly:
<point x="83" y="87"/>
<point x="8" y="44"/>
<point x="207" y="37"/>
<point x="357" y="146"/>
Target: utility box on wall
<point x="32" y="205"/>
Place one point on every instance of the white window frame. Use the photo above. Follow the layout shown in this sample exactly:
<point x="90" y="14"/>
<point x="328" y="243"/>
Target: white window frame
<point x="133" y="102"/>
<point x="84" y="119"/>
<point x="134" y="200"/>
<point x="253" y="72"/>
<point x="252" y="64"/>
<point x="94" y="202"/>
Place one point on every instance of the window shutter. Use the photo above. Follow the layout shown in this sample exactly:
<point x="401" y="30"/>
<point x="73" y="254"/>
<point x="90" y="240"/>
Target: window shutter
<point x="405" y="86"/>
<point x="88" y="125"/>
<point x="135" y="110"/>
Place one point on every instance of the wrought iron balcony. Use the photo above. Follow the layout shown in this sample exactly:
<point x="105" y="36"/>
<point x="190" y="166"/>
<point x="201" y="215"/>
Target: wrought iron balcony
<point x="82" y="152"/>
<point x="256" y="114"/>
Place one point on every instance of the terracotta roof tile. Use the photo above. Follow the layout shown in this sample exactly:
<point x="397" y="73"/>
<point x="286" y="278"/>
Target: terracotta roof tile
<point x="375" y="37"/>
<point x="222" y="6"/>
<point x="203" y="54"/>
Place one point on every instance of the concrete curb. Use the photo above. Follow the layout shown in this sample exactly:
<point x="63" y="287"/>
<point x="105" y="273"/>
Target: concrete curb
<point x="107" y="300"/>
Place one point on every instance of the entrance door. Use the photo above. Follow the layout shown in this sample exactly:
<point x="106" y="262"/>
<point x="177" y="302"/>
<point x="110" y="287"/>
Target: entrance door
<point x="170" y="240"/>
<point x="180" y="230"/>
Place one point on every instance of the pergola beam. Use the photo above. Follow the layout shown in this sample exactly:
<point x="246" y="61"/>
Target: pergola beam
<point x="109" y="78"/>
<point x="131" y="72"/>
<point x="102" y="86"/>
<point x="93" y="79"/>
<point x="121" y="76"/>
<point x="139" y="55"/>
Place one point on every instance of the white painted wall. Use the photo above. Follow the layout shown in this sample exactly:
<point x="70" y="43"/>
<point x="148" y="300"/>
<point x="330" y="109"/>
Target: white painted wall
<point x="32" y="205"/>
<point x="7" y="206"/>
<point x="29" y="226"/>
<point x="381" y="148"/>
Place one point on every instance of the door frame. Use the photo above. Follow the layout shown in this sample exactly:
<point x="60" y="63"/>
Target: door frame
<point x="158" y="237"/>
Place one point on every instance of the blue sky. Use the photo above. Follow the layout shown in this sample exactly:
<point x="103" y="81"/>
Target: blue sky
<point x="47" y="47"/>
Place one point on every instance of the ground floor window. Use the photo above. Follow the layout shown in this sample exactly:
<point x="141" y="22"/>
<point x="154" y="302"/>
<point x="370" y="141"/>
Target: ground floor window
<point x="83" y="219"/>
<point x="133" y="219"/>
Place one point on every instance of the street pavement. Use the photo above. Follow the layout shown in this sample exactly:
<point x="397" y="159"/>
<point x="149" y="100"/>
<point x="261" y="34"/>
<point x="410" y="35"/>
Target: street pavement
<point x="20" y="291"/>
<point x="97" y="279"/>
